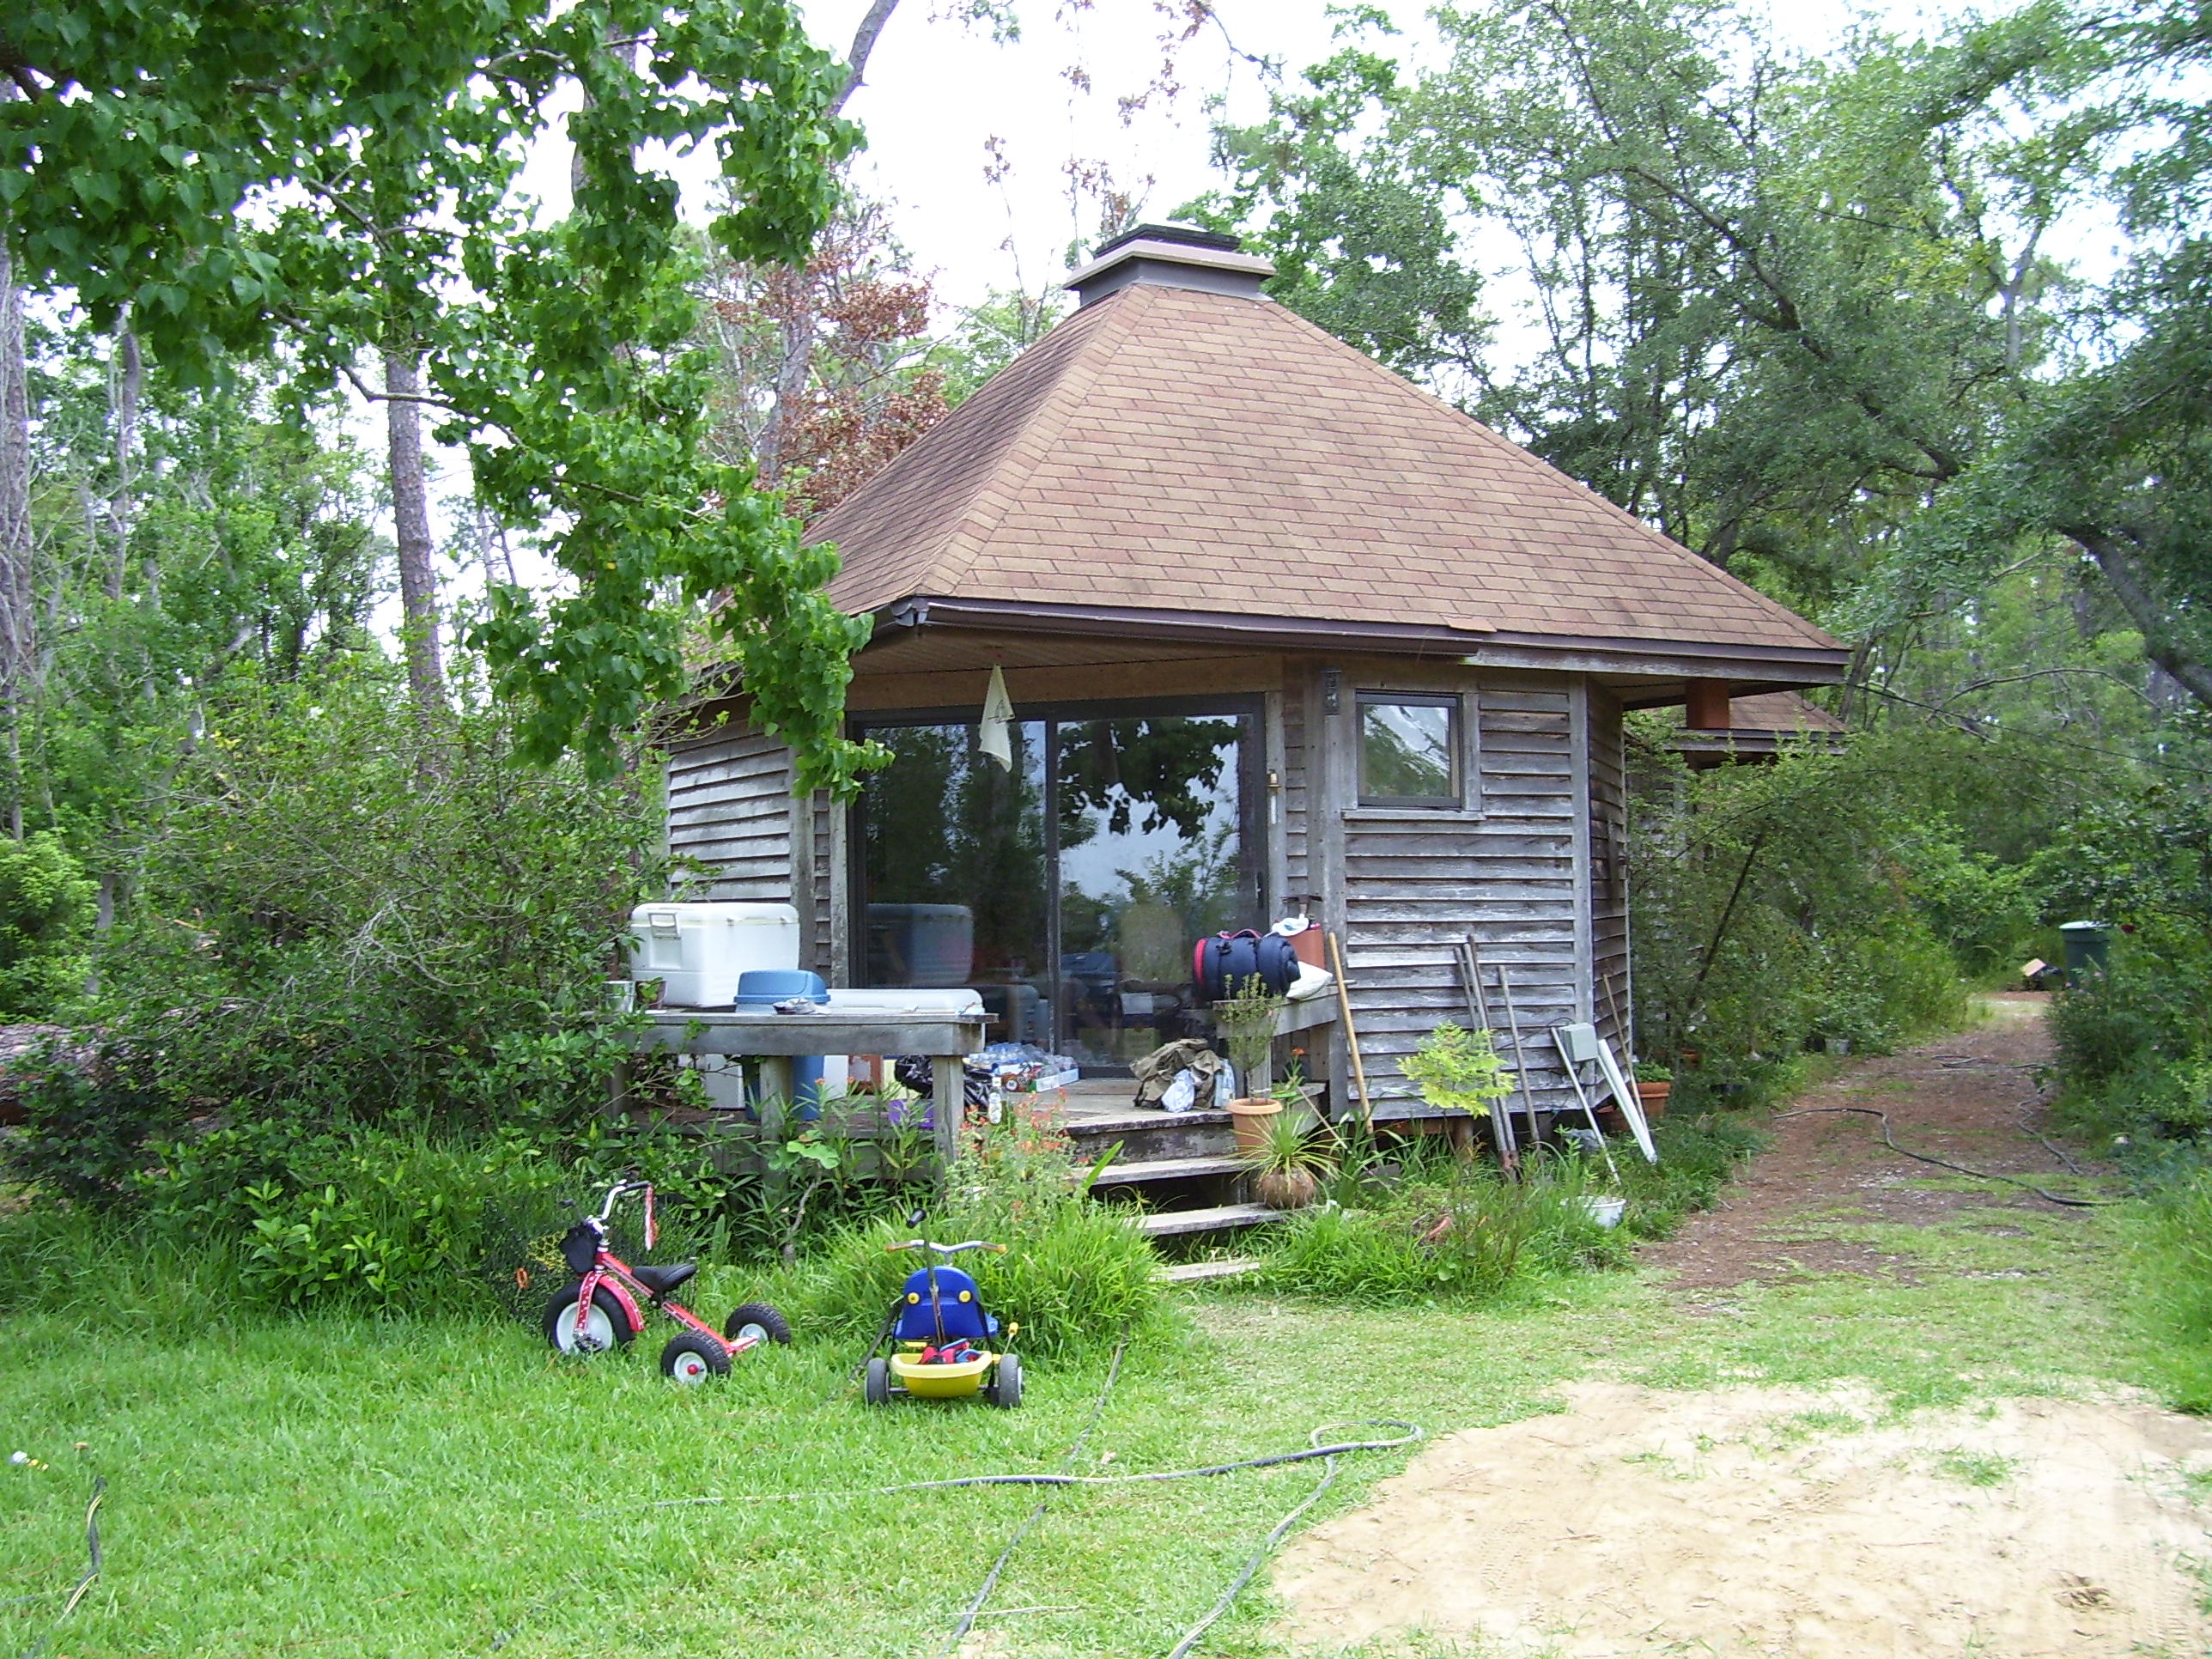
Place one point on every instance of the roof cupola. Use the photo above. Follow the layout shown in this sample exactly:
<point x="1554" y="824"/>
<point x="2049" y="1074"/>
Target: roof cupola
<point x="1171" y="255"/>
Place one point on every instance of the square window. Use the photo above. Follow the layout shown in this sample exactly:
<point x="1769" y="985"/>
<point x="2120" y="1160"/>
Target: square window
<point x="1409" y="750"/>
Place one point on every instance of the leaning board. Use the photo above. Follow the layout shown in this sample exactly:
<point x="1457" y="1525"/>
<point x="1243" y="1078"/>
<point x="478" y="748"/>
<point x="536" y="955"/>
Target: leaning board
<point x="1578" y="1043"/>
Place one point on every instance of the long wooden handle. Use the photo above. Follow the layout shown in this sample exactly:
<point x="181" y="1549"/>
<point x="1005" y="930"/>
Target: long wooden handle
<point x="1352" y="1034"/>
<point x="1478" y="1011"/>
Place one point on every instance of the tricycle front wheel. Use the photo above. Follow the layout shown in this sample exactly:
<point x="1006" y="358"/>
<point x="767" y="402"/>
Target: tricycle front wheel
<point x="692" y="1357"/>
<point x="607" y="1325"/>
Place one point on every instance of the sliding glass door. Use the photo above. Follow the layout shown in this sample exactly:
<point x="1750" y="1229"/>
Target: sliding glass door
<point x="1069" y="888"/>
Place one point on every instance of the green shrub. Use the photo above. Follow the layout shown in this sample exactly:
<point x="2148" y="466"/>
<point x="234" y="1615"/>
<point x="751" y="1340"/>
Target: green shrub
<point x="1466" y="1234"/>
<point x="1412" y="1222"/>
<point x="1075" y="1274"/>
<point x="1778" y="907"/>
<point x="1698" y="1157"/>
<point x="345" y="916"/>
<point x="46" y="921"/>
<point x="88" y="1121"/>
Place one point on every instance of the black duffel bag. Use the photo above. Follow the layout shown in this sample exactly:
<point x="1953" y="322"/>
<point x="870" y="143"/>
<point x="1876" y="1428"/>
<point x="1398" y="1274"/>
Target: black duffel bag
<point x="1224" y="964"/>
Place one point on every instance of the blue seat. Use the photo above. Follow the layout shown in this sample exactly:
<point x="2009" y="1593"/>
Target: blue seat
<point x="947" y="1310"/>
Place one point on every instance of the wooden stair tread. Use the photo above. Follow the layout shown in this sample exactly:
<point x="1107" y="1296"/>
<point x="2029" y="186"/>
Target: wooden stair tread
<point x="1123" y="1122"/>
<point x="1198" y="1272"/>
<point x="1165" y="1168"/>
<point x="1164" y="1223"/>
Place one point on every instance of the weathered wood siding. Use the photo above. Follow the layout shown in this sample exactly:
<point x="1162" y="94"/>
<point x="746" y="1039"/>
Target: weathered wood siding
<point x="1530" y="865"/>
<point x="1608" y="797"/>
<point x="729" y="811"/>
<point x="1506" y="869"/>
<point x="1300" y="703"/>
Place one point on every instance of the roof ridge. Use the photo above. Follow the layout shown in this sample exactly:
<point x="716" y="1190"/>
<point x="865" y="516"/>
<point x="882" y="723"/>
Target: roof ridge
<point x="1059" y="407"/>
<point x="1524" y="456"/>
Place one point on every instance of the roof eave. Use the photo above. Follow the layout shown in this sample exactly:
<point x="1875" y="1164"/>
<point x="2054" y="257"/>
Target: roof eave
<point x="1775" y="665"/>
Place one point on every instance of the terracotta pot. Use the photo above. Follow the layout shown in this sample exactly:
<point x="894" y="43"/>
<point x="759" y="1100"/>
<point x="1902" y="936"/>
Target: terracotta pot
<point x="1287" y="1189"/>
<point x="1653" y="1097"/>
<point x="1250" y="1118"/>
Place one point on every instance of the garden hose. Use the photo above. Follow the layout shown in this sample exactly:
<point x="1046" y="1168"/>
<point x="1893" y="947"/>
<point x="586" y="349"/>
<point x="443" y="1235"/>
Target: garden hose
<point x="1327" y="1453"/>
<point x="1074" y="1450"/>
<point x="1890" y="1141"/>
<point x="91" y="1572"/>
<point x="1412" y="1432"/>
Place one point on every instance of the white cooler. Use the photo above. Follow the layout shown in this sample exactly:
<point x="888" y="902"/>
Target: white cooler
<point x="696" y="951"/>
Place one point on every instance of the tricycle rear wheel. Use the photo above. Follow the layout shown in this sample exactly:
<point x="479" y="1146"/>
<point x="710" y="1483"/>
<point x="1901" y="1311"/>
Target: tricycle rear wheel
<point x="879" y="1385"/>
<point x="1006" y="1382"/>
<point x="763" y="1321"/>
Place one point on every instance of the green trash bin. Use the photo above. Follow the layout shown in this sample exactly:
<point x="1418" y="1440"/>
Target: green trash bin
<point x="2087" y="945"/>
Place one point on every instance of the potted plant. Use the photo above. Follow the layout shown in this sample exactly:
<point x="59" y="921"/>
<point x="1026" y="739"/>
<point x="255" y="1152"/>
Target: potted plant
<point x="1457" y="1070"/>
<point x="1245" y="1021"/>
<point x="1654" y="1083"/>
<point x="1291" y="1160"/>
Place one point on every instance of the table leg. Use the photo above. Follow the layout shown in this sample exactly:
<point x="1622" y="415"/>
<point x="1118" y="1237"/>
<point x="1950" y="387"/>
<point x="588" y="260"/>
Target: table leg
<point x="775" y="1072"/>
<point x="948" y="1087"/>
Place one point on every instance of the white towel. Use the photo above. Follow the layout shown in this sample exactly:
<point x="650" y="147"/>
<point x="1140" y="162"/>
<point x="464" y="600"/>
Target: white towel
<point x="995" y="737"/>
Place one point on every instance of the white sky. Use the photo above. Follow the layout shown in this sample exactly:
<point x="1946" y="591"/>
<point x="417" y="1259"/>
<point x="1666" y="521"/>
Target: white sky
<point x="937" y="92"/>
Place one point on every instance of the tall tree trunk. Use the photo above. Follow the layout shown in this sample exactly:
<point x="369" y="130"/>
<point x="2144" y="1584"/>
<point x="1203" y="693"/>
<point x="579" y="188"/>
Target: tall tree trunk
<point x="128" y="374"/>
<point x="2132" y="586"/>
<point x="864" y="42"/>
<point x="410" y="518"/>
<point x="795" y="331"/>
<point x="796" y="326"/>
<point x="18" y="622"/>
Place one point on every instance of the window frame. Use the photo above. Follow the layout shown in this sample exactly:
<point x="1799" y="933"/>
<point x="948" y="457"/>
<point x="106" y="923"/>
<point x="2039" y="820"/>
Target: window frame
<point x="1455" y="704"/>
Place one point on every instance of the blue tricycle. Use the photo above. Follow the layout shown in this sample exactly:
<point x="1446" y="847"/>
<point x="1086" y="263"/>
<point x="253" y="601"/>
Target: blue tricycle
<point x="938" y="1335"/>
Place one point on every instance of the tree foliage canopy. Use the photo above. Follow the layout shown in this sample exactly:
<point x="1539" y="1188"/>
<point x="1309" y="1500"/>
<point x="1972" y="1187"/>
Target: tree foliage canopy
<point x="240" y="178"/>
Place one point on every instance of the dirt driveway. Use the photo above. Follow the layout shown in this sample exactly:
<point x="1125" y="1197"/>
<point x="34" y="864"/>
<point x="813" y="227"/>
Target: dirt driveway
<point x="1970" y="1098"/>
<point x="1812" y="1524"/>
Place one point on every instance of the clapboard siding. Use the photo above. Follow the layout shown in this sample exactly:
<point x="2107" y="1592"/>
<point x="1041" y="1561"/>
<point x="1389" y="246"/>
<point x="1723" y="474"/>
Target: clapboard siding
<point x="1415" y="884"/>
<point x="1298" y="782"/>
<point x="1609" y="896"/>
<point x="730" y="811"/>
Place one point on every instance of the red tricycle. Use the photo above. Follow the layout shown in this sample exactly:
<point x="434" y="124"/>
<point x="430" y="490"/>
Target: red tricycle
<point x="603" y="1307"/>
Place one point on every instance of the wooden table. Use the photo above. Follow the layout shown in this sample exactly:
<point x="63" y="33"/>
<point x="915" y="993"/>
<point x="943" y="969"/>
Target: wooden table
<point x="776" y="1040"/>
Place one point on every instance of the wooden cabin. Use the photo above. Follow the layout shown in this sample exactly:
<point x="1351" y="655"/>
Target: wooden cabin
<point x="1282" y="632"/>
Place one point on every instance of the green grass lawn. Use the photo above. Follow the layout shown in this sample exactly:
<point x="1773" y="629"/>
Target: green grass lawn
<point x="335" y="1485"/>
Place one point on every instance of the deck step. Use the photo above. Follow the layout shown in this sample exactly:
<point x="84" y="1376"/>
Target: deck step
<point x="1166" y="1224"/>
<point x="1198" y="1272"/>
<point x="1165" y="1168"/>
<point x="1124" y="1122"/>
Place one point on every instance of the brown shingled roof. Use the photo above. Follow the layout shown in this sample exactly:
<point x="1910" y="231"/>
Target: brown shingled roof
<point x="1170" y="450"/>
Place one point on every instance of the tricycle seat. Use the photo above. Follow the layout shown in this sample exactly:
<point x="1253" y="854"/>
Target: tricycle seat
<point x="940" y="1305"/>
<point x="661" y="1280"/>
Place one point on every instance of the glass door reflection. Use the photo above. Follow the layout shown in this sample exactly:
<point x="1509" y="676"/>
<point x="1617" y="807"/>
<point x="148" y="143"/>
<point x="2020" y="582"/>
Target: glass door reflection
<point x="1070" y="890"/>
<point x="1152" y="856"/>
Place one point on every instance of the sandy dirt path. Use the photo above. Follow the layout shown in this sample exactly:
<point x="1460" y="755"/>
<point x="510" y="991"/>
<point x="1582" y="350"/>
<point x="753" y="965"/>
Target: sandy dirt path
<point x="1778" y="1522"/>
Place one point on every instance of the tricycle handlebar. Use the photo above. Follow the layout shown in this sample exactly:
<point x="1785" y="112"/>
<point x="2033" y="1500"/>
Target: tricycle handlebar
<point x="617" y="1190"/>
<point x="946" y="1249"/>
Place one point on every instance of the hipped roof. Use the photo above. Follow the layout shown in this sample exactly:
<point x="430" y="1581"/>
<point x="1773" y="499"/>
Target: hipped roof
<point x="1183" y="454"/>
